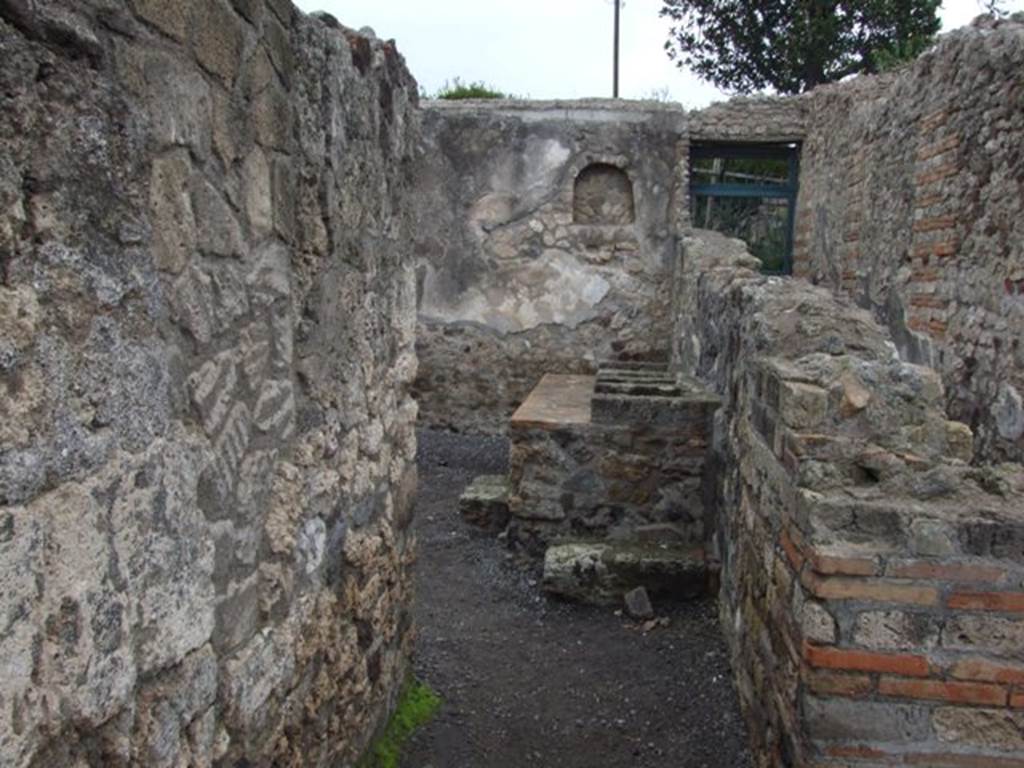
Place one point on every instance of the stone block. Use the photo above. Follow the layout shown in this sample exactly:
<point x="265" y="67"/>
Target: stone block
<point x="854" y="397"/>
<point x="272" y="118"/>
<point x="275" y="38"/>
<point x="178" y="98"/>
<point x="283" y="9"/>
<point x="959" y="441"/>
<point x="217" y="39"/>
<point x="484" y="503"/>
<point x="169" y="16"/>
<point x="896" y="630"/>
<point x="217" y="230"/>
<point x="237" y="616"/>
<point x="601" y="573"/>
<point x="283" y="182"/>
<point x="931" y="538"/>
<point x="986" y="728"/>
<point x="859" y="721"/>
<point x="258" y="195"/>
<point x="802" y="406"/>
<point x="172" y="699"/>
<point x="984" y="634"/>
<point x="638" y="604"/>
<point x="1001" y="540"/>
<point x="816" y="623"/>
<point x="659" y="534"/>
<point x="174" y="223"/>
<point x="264" y="666"/>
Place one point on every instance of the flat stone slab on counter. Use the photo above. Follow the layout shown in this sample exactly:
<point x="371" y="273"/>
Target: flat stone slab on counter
<point x="558" y="400"/>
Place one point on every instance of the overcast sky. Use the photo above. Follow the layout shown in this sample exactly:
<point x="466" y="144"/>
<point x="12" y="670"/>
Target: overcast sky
<point x="545" y="49"/>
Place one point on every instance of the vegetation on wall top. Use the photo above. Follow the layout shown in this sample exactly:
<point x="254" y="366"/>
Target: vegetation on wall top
<point x="457" y="89"/>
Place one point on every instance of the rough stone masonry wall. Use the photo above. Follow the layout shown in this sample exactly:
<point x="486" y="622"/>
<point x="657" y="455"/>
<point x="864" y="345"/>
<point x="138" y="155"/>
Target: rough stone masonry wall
<point x="206" y="345"/>
<point x="532" y="258"/>
<point x="912" y="201"/>
<point x="871" y="578"/>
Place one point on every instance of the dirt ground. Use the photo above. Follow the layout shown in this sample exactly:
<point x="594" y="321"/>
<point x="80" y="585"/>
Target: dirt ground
<point x="529" y="681"/>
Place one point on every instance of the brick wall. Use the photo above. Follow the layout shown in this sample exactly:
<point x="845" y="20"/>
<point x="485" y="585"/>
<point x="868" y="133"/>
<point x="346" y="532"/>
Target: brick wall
<point x="871" y="578"/>
<point x="912" y="202"/>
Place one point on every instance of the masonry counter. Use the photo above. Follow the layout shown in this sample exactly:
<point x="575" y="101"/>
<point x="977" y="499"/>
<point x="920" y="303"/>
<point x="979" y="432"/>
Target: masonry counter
<point x="619" y="455"/>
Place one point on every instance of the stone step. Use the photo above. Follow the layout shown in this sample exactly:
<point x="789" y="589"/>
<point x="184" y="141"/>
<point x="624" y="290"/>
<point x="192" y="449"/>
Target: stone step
<point x="631" y="365"/>
<point x="602" y="572"/>
<point x="661" y="388"/>
<point x="614" y="370"/>
<point x="628" y="377"/>
<point x="484" y="503"/>
<point x="652" y="409"/>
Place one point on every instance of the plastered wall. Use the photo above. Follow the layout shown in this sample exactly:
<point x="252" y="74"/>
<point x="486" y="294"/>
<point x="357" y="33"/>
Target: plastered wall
<point x="546" y="234"/>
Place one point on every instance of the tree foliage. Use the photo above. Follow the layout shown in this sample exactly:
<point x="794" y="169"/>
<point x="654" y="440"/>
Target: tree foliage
<point x="794" y="45"/>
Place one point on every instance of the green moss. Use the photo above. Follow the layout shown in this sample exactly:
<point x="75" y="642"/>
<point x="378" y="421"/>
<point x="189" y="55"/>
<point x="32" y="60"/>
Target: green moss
<point x="417" y="704"/>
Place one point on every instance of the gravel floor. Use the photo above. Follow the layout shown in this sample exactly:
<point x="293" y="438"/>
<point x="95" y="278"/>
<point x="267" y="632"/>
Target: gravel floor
<point x="528" y="681"/>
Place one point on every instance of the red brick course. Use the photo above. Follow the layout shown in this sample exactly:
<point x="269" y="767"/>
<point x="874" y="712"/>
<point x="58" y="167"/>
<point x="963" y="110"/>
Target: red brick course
<point x="827" y="657"/>
<point x="956" y="572"/>
<point x="984" y="694"/>
<point x="869" y="590"/>
<point x="838" y="684"/>
<point x="989" y="671"/>
<point x="1007" y="602"/>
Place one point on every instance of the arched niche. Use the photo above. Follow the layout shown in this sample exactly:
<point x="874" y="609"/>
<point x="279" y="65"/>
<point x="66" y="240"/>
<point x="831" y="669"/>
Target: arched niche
<point x="603" y="194"/>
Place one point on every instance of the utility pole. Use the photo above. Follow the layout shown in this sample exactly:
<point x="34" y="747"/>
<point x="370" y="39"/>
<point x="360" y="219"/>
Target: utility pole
<point x="615" y="54"/>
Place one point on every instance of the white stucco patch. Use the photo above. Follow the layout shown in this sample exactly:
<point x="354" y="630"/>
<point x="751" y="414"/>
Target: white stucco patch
<point x="555" y="288"/>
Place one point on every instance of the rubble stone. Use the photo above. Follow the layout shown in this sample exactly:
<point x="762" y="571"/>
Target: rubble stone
<point x="484" y="503"/>
<point x="638" y="604"/>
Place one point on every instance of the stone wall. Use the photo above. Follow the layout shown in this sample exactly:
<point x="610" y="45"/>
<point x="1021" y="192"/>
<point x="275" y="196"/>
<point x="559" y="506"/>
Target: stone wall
<point x="206" y="345"/>
<point x="912" y="201"/>
<point x="750" y="120"/>
<point x="871" y="578"/>
<point x="546" y="235"/>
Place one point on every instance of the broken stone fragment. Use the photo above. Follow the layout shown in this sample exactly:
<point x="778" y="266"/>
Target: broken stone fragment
<point x="855" y="395"/>
<point x="638" y="604"/>
<point x="484" y="503"/>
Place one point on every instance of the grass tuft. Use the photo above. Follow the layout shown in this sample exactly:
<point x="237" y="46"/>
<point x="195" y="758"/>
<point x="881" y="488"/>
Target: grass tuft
<point x="417" y="704"/>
